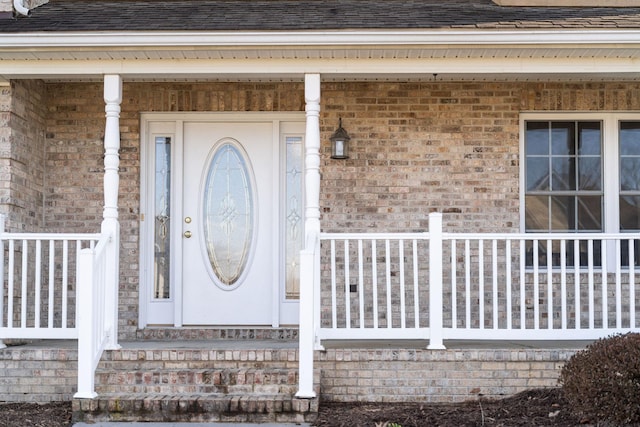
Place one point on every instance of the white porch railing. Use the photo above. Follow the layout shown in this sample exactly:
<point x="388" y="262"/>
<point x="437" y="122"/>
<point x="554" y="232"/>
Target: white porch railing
<point x="57" y="286"/>
<point x="476" y="286"/>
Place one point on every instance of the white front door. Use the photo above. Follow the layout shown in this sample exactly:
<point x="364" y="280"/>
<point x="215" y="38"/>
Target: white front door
<point x="229" y="256"/>
<point x="222" y="218"/>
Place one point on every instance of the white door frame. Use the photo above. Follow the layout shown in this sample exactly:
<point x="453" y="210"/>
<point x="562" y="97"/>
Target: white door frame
<point x="169" y="312"/>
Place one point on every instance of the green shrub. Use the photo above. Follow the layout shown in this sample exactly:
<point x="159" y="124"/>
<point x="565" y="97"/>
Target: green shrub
<point x="602" y="382"/>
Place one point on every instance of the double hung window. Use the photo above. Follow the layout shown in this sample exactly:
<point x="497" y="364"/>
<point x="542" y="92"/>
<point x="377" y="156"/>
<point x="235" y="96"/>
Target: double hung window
<point x="581" y="175"/>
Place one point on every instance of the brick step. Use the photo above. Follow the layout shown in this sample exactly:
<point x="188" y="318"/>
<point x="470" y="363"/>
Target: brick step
<point x="268" y="380"/>
<point x="146" y="407"/>
<point x="200" y="355"/>
<point x="186" y="334"/>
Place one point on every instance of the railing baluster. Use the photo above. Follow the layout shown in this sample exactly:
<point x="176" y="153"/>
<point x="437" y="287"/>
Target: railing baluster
<point x="576" y="285"/>
<point x="591" y="285"/>
<point x="536" y="287"/>
<point x="604" y="286"/>
<point x="467" y="282"/>
<point x="38" y="283"/>
<point x="494" y="257"/>
<point x="632" y="284"/>
<point x="25" y="274"/>
<point x="403" y="310"/>
<point x="65" y="281"/>
<point x="374" y="281"/>
<point x="388" y="277"/>
<point x="509" y="284"/>
<point x="10" y="283"/>
<point x="481" y="312"/>
<point x="347" y="290"/>
<point x="361" y="283"/>
<point x="549" y="285"/>
<point x="416" y="293"/>
<point x="563" y="283"/>
<point x="52" y="272"/>
<point x="334" y="304"/>
<point x="618" y="285"/>
<point x="454" y="290"/>
<point x="523" y="288"/>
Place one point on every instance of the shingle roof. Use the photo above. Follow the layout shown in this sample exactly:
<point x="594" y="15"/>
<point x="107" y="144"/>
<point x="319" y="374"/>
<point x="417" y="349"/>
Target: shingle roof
<point x="225" y="15"/>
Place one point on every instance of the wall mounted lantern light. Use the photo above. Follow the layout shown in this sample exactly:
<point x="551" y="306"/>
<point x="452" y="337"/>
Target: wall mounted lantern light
<point x="340" y="143"/>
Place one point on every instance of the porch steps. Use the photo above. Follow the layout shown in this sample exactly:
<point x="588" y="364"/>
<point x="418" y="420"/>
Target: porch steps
<point x="221" y="380"/>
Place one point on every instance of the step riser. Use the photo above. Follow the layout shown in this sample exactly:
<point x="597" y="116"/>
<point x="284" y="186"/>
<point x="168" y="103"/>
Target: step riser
<point x="269" y="381"/>
<point x="197" y="389"/>
<point x="257" y="409"/>
<point x="185" y="334"/>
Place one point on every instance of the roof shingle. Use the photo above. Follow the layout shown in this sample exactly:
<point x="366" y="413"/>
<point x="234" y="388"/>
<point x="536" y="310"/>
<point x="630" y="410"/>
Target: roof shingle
<point x="291" y="15"/>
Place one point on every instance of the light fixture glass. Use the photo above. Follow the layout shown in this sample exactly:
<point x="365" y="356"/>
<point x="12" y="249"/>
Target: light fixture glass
<point x="340" y="143"/>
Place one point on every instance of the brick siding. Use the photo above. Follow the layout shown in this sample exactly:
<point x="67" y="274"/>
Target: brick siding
<point x="22" y="124"/>
<point x="417" y="147"/>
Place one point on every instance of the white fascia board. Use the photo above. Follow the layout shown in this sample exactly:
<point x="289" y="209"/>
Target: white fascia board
<point x="114" y="40"/>
<point x="291" y="68"/>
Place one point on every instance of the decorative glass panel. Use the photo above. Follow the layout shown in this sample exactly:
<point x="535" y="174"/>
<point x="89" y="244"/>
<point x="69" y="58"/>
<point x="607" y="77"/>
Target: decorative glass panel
<point x="293" y="215"/>
<point x="228" y="214"/>
<point x="162" y="241"/>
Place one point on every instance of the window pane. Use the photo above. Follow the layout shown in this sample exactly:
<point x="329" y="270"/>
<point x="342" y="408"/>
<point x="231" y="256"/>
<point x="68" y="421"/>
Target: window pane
<point x="589" y="213"/>
<point x="563" y="177"/>
<point x="630" y="138"/>
<point x="536" y="213"/>
<point x="563" y="138"/>
<point x="630" y="173"/>
<point x="589" y="174"/>
<point x="162" y="223"/>
<point x="563" y="213"/>
<point x="630" y="213"/>
<point x="537" y="138"/>
<point x="590" y="140"/>
<point x="537" y="174"/>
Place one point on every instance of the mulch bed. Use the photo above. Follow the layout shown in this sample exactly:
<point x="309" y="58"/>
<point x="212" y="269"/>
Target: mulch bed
<point x="541" y="407"/>
<point x="544" y="407"/>
<point x="35" y="415"/>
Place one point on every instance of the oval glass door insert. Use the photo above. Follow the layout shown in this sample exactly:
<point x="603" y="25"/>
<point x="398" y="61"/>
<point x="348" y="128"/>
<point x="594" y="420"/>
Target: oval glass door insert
<point x="228" y="214"/>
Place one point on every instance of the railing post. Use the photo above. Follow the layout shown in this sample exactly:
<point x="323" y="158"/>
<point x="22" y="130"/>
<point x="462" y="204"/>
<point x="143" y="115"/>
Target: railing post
<point x="85" y="324"/>
<point x="2" y="230"/>
<point x="110" y="225"/>
<point x="306" y="328"/>
<point x="435" y="282"/>
<point x="306" y="331"/>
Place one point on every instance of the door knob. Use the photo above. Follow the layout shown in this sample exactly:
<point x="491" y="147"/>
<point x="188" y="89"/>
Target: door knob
<point x="187" y="234"/>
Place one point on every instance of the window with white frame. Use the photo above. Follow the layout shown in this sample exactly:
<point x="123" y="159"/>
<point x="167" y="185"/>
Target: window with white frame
<point x="581" y="173"/>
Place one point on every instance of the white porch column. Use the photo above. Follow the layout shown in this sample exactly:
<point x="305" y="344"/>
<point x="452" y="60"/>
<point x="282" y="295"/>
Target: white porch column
<point x="110" y="224"/>
<point x="312" y="153"/>
<point x="308" y="279"/>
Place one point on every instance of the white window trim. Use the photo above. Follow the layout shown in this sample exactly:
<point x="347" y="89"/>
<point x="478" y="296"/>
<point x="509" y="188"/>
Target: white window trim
<point x="610" y="159"/>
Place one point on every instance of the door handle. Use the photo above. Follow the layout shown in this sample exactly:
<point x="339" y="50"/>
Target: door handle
<point x="187" y="234"/>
